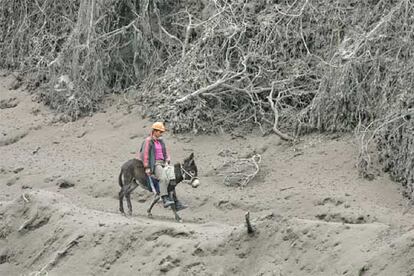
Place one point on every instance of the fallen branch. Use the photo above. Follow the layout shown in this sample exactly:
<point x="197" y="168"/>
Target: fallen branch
<point x="24" y="198"/>
<point x="213" y="85"/>
<point x="241" y="171"/>
<point x="276" y="120"/>
<point x="202" y="90"/>
<point x="28" y="222"/>
<point x="250" y="229"/>
<point x="287" y="188"/>
<point x="60" y="254"/>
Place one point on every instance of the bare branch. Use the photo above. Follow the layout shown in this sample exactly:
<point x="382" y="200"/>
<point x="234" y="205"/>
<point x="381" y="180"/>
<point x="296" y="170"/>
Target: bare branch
<point x="213" y="85"/>
<point x="25" y="198"/>
<point x="276" y="120"/>
<point x="187" y="34"/>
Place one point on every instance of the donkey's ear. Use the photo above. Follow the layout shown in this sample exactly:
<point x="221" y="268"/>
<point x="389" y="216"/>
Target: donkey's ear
<point x="191" y="157"/>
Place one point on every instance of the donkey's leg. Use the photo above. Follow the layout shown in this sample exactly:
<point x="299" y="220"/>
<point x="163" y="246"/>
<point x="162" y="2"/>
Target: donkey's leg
<point x="173" y="208"/>
<point x="132" y="187"/>
<point x="121" y="200"/>
<point x="154" y="201"/>
<point x="128" y="200"/>
<point x="178" y="204"/>
<point x="124" y="187"/>
<point x="177" y="217"/>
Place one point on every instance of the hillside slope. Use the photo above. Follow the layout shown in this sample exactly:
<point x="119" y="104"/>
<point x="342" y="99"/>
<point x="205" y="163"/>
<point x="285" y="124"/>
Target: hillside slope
<point x="312" y="212"/>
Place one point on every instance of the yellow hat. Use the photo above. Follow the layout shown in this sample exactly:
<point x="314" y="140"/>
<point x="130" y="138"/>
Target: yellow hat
<point x="158" y="126"/>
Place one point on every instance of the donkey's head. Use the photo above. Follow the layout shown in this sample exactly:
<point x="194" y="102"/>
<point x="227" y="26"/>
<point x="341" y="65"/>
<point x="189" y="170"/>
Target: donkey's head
<point x="190" y="171"/>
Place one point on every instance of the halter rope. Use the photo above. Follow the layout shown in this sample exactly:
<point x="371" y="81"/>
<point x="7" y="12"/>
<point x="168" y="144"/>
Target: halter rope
<point x="192" y="177"/>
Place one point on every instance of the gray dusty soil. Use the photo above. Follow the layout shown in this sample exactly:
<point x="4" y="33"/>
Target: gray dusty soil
<point x="311" y="211"/>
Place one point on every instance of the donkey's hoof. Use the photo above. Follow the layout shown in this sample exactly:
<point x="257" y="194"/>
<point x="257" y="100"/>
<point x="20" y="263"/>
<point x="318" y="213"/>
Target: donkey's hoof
<point x="149" y="215"/>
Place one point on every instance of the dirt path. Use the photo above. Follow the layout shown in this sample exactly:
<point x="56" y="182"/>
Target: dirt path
<point x="313" y="214"/>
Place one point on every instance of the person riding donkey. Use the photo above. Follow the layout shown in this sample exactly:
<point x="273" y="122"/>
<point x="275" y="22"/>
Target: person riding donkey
<point x="156" y="159"/>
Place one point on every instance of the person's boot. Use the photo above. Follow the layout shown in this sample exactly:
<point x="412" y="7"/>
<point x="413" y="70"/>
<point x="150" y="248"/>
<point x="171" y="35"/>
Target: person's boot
<point x="180" y="206"/>
<point x="167" y="201"/>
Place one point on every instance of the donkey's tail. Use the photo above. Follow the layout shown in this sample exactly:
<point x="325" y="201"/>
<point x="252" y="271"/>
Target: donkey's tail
<point x="120" y="179"/>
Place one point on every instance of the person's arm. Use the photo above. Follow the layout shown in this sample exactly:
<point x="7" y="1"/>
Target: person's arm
<point x="145" y="160"/>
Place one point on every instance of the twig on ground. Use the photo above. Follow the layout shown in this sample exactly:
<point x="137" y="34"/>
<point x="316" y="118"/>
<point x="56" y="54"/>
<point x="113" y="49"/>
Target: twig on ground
<point x="25" y="198"/>
<point x="250" y="229"/>
<point x="60" y="254"/>
<point x="28" y="222"/>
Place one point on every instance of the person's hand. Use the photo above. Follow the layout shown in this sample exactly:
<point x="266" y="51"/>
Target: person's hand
<point x="148" y="171"/>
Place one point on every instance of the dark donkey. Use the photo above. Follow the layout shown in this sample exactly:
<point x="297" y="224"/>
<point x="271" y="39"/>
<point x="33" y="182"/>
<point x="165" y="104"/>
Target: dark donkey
<point x="133" y="174"/>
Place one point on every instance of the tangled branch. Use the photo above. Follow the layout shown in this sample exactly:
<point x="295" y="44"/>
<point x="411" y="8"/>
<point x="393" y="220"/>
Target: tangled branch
<point x="207" y="66"/>
<point x="240" y="172"/>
